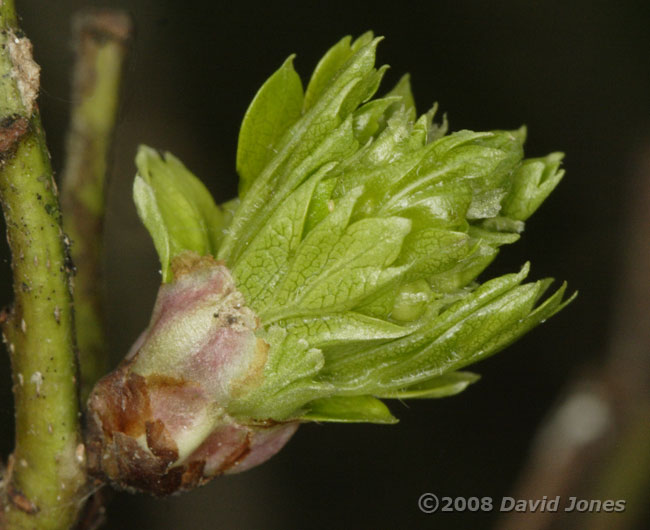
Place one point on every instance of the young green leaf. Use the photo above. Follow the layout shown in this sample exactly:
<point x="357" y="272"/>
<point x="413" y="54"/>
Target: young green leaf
<point x="266" y="257"/>
<point x="335" y="329"/>
<point x="330" y="66"/>
<point x="352" y="409"/>
<point x="442" y="386"/>
<point x="176" y="208"/>
<point x="276" y="106"/>
<point x="147" y="207"/>
<point x="406" y="102"/>
<point x="534" y="180"/>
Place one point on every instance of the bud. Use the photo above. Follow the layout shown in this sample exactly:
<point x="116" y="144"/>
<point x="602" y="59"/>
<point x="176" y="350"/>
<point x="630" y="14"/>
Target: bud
<point x="160" y="421"/>
<point x="354" y="245"/>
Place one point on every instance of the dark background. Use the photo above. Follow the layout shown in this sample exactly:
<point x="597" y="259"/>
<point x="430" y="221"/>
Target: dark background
<point x="576" y="73"/>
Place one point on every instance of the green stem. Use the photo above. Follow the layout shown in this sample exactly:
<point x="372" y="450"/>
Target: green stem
<point x="45" y="474"/>
<point x="100" y="41"/>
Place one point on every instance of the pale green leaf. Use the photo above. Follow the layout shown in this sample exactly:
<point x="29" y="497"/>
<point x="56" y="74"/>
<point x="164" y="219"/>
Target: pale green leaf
<point x="330" y="65"/>
<point x="309" y="257"/>
<point x="176" y="208"/>
<point x="343" y="329"/>
<point x="215" y="218"/>
<point x="402" y="91"/>
<point x="540" y="314"/>
<point x="321" y="204"/>
<point x="266" y="257"/>
<point x="534" y="180"/>
<point x="276" y="106"/>
<point x="369" y="118"/>
<point x="147" y="208"/>
<point x="432" y="251"/>
<point x="353" y="409"/>
<point x="438" y="387"/>
<point x="352" y="268"/>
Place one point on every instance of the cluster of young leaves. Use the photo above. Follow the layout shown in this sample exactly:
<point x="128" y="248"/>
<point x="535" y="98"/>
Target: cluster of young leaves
<point x="358" y="235"/>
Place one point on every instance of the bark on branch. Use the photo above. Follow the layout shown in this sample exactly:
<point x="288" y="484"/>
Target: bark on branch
<point x="46" y="473"/>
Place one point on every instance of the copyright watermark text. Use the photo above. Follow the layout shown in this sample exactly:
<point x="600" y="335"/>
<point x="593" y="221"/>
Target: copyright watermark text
<point x="431" y="503"/>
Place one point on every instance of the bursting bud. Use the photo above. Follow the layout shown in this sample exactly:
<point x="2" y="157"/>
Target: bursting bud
<point x="343" y="274"/>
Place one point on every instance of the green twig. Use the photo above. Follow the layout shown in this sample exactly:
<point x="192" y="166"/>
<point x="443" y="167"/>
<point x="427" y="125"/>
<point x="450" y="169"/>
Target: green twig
<point x="100" y="41"/>
<point x="45" y="474"/>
